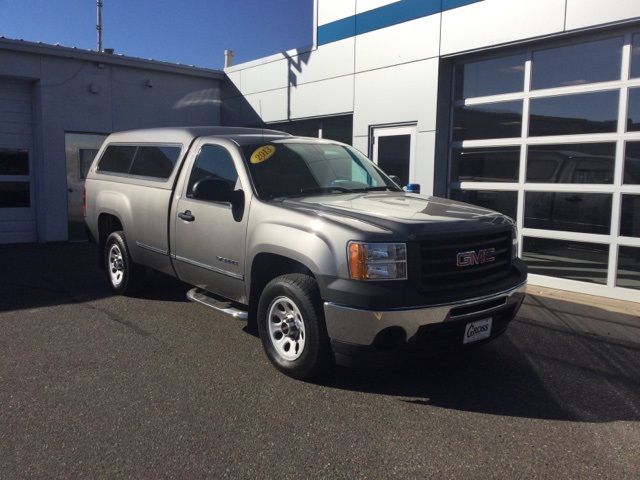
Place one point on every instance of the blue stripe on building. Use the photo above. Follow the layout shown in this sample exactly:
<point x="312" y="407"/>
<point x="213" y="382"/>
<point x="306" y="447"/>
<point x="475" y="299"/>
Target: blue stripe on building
<point x="385" y="16"/>
<point x="338" y="30"/>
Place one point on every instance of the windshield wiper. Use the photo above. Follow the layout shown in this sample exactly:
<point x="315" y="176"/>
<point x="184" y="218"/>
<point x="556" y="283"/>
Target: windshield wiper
<point x="311" y="191"/>
<point x="374" y="189"/>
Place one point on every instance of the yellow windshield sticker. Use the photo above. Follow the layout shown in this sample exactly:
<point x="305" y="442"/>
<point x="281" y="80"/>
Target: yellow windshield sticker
<point x="263" y="153"/>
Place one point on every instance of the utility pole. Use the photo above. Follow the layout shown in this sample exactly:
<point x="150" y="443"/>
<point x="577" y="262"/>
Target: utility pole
<point x="99" y="24"/>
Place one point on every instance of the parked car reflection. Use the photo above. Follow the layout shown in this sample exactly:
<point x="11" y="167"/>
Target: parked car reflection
<point x="570" y="164"/>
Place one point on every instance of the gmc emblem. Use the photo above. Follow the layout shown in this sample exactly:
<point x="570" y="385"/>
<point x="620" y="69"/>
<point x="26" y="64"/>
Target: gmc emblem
<point x="468" y="259"/>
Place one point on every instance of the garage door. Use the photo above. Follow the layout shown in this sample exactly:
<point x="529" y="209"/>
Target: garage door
<point x="17" y="201"/>
<point x="551" y="136"/>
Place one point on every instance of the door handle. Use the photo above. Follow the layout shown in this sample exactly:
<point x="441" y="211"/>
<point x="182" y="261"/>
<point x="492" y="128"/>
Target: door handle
<point x="186" y="216"/>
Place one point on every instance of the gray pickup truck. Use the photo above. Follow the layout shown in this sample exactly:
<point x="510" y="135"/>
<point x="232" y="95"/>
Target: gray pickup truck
<point x="305" y="238"/>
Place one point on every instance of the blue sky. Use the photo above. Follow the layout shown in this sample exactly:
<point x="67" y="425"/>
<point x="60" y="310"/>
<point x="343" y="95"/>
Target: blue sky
<point x="185" y="31"/>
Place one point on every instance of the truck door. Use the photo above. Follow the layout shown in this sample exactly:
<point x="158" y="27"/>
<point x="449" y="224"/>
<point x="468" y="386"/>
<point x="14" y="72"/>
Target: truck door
<point x="210" y="235"/>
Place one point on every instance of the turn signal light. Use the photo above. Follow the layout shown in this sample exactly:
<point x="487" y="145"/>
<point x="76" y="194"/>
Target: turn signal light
<point x="356" y="261"/>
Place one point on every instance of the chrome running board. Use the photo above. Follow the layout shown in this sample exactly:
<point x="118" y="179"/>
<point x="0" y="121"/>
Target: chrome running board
<point x="223" y="306"/>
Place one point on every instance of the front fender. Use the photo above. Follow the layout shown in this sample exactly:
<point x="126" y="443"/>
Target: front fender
<point x="304" y="245"/>
<point x="307" y="247"/>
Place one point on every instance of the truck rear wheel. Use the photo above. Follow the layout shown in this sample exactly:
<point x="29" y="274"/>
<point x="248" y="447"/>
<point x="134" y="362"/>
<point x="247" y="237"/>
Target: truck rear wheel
<point x="291" y="326"/>
<point x="125" y="276"/>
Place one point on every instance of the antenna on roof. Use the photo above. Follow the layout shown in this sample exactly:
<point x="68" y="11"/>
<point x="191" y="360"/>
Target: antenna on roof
<point x="99" y="24"/>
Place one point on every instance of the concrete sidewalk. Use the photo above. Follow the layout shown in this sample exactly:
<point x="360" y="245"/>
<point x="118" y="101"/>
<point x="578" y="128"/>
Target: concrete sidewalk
<point x="609" y="319"/>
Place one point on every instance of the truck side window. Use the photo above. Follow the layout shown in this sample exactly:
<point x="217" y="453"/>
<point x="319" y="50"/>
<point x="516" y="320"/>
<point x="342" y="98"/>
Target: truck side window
<point x="155" y="161"/>
<point x="117" y="159"/>
<point x="214" y="162"/>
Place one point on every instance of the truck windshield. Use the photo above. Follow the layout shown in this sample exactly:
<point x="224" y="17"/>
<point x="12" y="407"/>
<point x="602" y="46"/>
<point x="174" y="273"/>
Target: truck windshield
<point x="289" y="169"/>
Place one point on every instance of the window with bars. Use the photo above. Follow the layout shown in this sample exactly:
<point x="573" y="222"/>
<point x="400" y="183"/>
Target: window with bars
<point x="15" y="182"/>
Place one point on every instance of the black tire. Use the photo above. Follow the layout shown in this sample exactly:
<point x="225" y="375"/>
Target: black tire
<point x="316" y="357"/>
<point x="132" y="275"/>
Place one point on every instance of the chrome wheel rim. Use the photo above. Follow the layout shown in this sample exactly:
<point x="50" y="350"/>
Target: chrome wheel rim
<point x="116" y="265"/>
<point x="286" y="328"/>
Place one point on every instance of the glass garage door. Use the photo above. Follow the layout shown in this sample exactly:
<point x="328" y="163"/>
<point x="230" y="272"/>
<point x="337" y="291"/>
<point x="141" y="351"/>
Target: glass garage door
<point x="551" y="137"/>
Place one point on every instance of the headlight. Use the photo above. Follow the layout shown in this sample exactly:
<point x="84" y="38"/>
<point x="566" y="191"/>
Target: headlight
<point x="377" y="261"/>
<point x="514" y="240"/>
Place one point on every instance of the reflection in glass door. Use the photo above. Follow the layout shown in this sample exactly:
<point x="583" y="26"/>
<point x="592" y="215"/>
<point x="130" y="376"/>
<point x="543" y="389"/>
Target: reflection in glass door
<point x="80" y="150"/>
<point x="394" y="151"/>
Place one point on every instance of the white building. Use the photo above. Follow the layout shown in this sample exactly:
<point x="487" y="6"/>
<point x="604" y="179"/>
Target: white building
<point x="529" y="107"/>
<point x="58" y="104"/>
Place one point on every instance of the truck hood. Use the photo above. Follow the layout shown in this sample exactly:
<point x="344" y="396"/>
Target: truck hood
<point x="401" y="211"/>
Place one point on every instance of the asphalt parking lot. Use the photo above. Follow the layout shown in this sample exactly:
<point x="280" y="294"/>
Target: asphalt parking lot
<point x="97" y="386"/>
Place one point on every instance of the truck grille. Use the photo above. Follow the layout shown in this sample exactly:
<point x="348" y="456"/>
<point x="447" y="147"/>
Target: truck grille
<point x="440" y="273"/>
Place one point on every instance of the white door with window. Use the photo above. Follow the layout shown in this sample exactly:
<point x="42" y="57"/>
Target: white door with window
<point x="80" y="150"/>
<point x="17" y="199"/>
<point x="394" y="151"/>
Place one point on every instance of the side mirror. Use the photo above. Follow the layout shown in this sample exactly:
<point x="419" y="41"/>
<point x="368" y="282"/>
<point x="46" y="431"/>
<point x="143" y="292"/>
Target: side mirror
<point x="213" y="190"/>
<point x="396" y="180"/>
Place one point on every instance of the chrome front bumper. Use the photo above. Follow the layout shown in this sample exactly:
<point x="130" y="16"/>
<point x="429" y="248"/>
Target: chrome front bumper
<point x="360" y="327"/>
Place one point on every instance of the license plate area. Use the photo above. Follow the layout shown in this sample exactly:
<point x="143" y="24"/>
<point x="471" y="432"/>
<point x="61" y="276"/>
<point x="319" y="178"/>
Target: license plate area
<point x="477" y="330"/>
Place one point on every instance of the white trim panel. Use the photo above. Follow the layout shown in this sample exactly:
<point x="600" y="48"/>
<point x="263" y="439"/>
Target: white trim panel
<point x="587" y="13"/>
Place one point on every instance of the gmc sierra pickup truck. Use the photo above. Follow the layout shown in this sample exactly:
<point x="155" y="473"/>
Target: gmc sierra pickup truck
<point x="305" y="238"/>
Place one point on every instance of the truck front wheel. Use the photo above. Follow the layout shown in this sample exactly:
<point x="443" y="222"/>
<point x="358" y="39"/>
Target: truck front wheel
<point x="125" y="276"/>
<point x="291" y="326"/>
